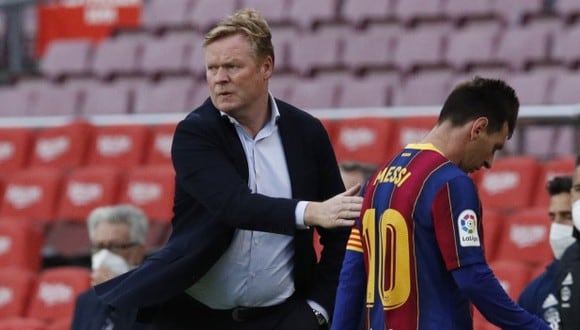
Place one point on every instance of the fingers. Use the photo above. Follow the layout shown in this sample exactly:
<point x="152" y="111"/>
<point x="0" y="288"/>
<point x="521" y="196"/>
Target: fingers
<point x="352" y="191"/>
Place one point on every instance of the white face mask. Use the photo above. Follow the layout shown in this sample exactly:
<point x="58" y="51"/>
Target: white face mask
<point x="576" y="214"/>
<point x="114" y="262"/>
<point x="560" y="238"/>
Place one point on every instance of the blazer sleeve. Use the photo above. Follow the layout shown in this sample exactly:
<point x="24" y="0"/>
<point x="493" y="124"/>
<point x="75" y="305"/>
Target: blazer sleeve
<point x="204" y="155"/>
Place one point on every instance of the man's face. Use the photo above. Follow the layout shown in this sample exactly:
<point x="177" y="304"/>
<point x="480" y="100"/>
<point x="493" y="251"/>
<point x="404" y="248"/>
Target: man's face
<point x="560" y="209"/>
<point x="481" y="151"/>
<point x="236" y="79"/>
<point x="116" y="237"/>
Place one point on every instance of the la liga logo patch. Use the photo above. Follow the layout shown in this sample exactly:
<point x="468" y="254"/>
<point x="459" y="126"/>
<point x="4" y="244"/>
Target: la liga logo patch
<point x="467" y="223"/>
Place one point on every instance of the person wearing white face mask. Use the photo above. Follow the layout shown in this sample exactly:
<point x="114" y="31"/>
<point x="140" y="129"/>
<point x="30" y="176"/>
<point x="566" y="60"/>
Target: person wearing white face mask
<point x="117" y="234"/>
<point x="568" y="278"/>
<point x="539" y="296"/>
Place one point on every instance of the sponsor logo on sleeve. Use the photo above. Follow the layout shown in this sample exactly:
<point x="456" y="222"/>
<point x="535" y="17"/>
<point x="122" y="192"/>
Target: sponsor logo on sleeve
<point x="467" y="223"/>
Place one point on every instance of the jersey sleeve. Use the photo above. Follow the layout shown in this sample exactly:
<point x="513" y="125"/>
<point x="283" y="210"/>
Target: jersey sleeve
<point x="457" y="223"/>
<point x="348" y="309"/>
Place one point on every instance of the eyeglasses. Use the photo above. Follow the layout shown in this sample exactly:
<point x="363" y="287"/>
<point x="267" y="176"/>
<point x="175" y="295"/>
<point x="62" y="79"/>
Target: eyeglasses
<point x="113" y="247"/>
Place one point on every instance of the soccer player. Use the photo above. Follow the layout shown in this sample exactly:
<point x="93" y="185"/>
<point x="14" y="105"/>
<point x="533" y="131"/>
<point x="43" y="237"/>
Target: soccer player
<point x="417" y="248"/>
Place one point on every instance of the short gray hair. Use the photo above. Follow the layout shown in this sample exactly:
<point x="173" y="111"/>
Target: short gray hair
<point x="131" y="215"/>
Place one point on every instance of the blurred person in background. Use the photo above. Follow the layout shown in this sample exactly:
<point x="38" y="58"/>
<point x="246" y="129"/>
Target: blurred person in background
<point x="354" y="172"/>
<point x="255" y="176"/>
<point x="539" y="296"/>
<point x="568" y="278"/>
<point x="118" y="235"/>
<point x="416" y="259"/>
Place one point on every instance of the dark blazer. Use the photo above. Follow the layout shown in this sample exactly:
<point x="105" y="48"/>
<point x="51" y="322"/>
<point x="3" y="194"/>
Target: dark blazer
<point x="92" y="314"/>
<point x="212" y="199"/>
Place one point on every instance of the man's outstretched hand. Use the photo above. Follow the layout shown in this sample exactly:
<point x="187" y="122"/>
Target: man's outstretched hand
<point x="338" y="211"/>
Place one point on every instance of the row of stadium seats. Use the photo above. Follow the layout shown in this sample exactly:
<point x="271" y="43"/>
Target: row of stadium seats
<point x="40" y="301"/>
<point x="201" y="14"/>
<point x="89" y="97"/>
<point x="336" y="47"/>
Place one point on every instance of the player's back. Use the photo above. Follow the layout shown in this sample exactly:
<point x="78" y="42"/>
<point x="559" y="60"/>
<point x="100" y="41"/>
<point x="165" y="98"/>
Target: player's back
<point x="415" y="241"/>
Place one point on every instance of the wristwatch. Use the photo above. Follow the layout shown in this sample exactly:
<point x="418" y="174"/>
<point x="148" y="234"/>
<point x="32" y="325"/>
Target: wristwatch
<point x="319" y="317"/>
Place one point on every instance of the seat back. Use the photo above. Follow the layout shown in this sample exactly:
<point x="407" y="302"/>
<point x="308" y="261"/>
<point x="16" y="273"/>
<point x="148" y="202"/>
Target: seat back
<point x="86" y="188"/>
<point x="121" y="146"/>
<point x="159" y="148"/>
<point x="151" y="188"/>
<point x="32" y="194"/>
<point x="18" y="323"/>
<point x="367" y="140"/>
<point x="15" y="289"/>
<point x="560" y="166"/>
<point x="62" y="146"/>
<point x="56" y="290"/>
<point x="20" y="245"/>
<point x="412" y="130"/>
<point x="526" y="237"/>
<point x="15" y="146"/>
<point x="510" y="183"/>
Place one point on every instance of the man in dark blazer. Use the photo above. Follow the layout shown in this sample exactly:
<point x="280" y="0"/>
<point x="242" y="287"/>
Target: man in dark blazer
<point x="254" y="177"/>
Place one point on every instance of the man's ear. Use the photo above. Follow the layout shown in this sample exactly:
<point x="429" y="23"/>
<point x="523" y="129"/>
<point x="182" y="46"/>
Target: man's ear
<point x="478" y="127"/>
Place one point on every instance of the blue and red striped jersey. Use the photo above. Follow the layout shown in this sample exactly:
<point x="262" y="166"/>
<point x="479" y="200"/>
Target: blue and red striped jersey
<point x="421" y="219"/>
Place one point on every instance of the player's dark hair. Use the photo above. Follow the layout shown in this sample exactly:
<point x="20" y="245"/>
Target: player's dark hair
<point x="482" y="97"/>
<point x="578" y="161"/>
<point x="558" y="185"/>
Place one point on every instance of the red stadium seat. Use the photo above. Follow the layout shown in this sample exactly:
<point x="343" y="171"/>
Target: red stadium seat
<point x="510" y="184"/>
<point x="159" y="148"/>
<point x="15" y="146"/>
<point x="556" y="167"/>
<point x="20" y="245"/>
<point x="412" y="130"/>
<point x="367" y="140"/>
<point x="118" y="145"/>
<point x="56" y="291"/>
<point x="493" y="225"/>
<point x="86" y="188"/>
<point x="32" y="194"/>
<point x="151" y="188"/>
<point x="15" y="290"/>
<point x="525" y="237"/>
<point x="512" y="276"/>
<point x="22" y="324"/>
<point x="61" y="146"/>
<point x="60" y="324"/>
